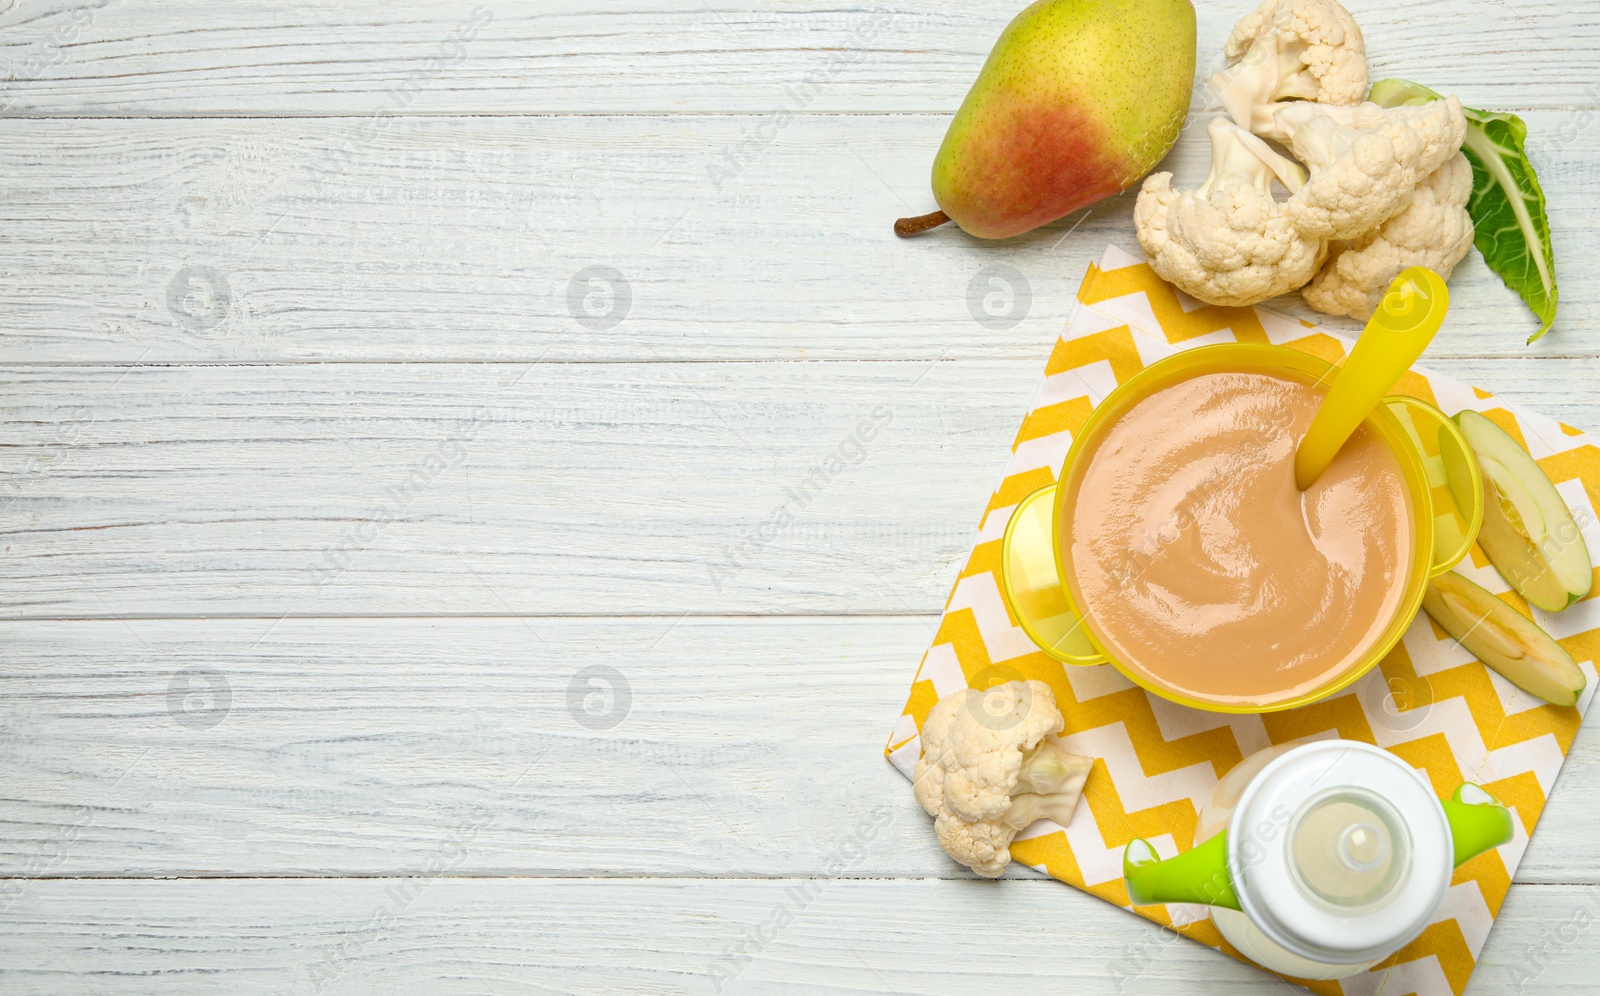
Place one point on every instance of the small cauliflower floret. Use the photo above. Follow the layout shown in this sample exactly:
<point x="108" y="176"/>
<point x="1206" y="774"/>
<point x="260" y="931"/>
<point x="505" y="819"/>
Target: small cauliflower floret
<point x="1433" y="229"/>
<point x="1229" y="242"/>
<point x="1287" y="50"/>
<point x="990" y="766"/>
<point x="1365" y="160"/>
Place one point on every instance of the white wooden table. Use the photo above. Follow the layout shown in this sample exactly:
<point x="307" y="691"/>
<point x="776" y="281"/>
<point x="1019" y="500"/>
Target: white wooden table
<point x="396" y="397"/>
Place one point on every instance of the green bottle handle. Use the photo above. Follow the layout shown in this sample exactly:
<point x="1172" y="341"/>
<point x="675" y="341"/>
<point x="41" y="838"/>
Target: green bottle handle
<point x="1198" y="875"/>
<point x="1477" y="821"/>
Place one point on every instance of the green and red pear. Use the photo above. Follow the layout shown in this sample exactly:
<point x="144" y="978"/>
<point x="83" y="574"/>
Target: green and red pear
<point x="1077" y="101"/>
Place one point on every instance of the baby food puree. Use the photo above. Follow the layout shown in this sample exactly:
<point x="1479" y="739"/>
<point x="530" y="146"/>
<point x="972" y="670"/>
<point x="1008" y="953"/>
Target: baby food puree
<point x="1201" y="565"/>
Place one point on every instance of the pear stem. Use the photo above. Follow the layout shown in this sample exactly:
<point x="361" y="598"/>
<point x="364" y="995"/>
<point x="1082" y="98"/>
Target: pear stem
<point x="907" y="227"/>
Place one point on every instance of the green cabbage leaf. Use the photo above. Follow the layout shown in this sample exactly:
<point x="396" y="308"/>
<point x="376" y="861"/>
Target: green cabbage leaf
<point x="1507" y="204"/>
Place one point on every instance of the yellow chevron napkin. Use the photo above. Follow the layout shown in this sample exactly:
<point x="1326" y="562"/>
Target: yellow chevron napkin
<point x="1157" y="762"/>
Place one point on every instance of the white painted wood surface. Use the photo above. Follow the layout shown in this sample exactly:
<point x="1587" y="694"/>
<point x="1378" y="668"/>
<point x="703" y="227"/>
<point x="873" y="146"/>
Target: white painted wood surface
<point x="625" y="935"/>
<point x="458" y="238"/>
<point x="299" y="421"/>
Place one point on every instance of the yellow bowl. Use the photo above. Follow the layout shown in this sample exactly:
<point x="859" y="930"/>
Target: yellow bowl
<point x="1033" y="562"/>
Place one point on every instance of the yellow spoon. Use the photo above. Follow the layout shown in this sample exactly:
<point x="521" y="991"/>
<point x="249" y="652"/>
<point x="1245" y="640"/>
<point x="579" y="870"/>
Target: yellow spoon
<point x="1411" y="312"/>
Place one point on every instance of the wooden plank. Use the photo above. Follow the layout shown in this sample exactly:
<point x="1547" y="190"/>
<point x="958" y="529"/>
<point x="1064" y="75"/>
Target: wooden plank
<point x="582" y="238"/>
<point x="451" y="935"/>
<point x="276" y="57"/>
<point x="606" y="747"/>
<point x="551" y="489"/>
<point x="403" y="489"/>
<point x="567" y="747"/>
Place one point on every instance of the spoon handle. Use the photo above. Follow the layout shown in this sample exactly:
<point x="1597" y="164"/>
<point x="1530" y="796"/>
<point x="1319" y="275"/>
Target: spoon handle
<point x="1411" y="312"/>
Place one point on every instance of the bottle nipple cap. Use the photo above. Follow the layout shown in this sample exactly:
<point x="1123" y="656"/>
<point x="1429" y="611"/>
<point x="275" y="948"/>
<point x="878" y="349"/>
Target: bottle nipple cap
<point x="1349" y="849"/>
<point x="1363" y="847"/>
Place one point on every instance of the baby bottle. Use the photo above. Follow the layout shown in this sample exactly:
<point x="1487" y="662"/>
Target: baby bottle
<point x="1320" y="860"/>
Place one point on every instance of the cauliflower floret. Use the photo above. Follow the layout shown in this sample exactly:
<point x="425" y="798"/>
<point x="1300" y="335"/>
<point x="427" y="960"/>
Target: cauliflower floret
<point x="1229" y="242"/>
<point x="1365" y="160"/>
<point x="990" y="766"/>
<point x="1433" y="230"/>
<point x="1291" y="49"/>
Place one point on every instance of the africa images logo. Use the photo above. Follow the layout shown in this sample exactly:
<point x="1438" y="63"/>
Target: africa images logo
<point x="199" y="298"/>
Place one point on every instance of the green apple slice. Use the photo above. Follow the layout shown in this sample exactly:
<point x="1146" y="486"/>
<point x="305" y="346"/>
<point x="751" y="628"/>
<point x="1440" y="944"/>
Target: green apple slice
<point x="1504" y="639"/>
<point x="1528" y="531"/>
<point x="1515" y="556"/>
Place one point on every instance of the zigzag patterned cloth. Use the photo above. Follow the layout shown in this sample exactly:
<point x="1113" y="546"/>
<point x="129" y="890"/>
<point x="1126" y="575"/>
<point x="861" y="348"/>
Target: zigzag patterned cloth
<point x="1157" y="762"/>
